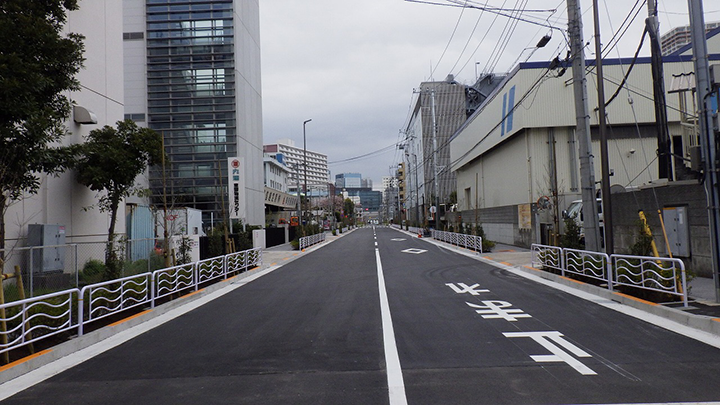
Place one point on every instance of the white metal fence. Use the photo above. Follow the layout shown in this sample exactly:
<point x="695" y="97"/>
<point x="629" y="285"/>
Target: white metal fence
<point x="308" y="241"/>
<point x="26" y="321"/>
<point x="660" y="274"/>
<point x="471" y="242"/>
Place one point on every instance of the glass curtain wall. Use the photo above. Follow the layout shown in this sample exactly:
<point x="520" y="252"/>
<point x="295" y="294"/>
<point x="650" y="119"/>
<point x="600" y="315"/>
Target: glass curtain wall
<point x="191" y="99"/>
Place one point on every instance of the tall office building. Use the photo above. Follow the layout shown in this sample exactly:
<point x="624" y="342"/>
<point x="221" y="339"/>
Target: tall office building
<point x="192" y="72"/>
<point x="439" y="110"/>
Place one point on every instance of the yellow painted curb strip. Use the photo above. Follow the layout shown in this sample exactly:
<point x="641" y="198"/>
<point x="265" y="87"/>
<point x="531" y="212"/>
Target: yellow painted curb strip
<point x="23" y="360"/>
<point x="130" y="317"/>
<point x="635" y="299"/>
<point x="192" y="293"/>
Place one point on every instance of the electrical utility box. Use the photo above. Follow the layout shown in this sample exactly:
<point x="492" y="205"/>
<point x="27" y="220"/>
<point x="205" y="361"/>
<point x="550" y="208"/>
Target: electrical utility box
<point x="678" y="230"/>
<point x="48" y="250"/>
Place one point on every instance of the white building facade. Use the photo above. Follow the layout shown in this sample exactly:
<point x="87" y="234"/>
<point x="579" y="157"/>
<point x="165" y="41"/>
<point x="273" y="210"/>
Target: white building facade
<point x="61" y="200"/>
<point x="294" y="158"/>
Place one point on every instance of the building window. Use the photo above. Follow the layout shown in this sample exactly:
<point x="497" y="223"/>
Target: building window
<point x="133" y="36"/>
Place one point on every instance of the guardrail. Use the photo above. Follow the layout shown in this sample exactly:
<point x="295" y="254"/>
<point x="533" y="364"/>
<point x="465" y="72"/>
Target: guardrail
<point x="471" y="242"/>
<point x="307" y="241"/>
<point x="661" y="274"/>
<point x="30" y="320"/>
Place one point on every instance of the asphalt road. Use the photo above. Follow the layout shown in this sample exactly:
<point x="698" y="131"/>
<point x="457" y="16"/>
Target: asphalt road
<point x="315" y="331"/>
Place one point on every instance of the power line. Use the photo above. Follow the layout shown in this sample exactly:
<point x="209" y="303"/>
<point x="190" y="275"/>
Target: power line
<point x="370" y="154"/>
<point x="449" y="41"/>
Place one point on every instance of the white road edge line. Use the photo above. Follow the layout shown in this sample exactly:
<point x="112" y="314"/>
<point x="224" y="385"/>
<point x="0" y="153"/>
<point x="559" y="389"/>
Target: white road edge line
<point x="396" y="384"/>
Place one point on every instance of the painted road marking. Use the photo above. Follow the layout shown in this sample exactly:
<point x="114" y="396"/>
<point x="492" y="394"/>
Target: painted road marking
<point x="463" y="288"/>
<point x="550" y="341"/>
<point x="398" y="239"/>
<point x="396" y="384"/>
<point x="414" y="251"/>
<point x="496" y="310"/>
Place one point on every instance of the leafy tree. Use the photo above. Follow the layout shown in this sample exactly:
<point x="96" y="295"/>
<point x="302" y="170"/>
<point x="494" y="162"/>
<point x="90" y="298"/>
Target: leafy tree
<point x="37" y="69"/>
<point x="349" y="208"/>
<point x="109" y="161"/>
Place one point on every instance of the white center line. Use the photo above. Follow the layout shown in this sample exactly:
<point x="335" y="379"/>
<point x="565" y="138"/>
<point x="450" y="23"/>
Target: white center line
<point x="396" y="384"/>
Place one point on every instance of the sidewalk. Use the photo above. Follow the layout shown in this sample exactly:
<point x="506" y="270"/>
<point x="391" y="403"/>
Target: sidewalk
<point x="283" y="254"/>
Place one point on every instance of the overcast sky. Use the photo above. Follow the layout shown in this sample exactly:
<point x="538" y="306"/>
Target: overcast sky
<point x="351" y="65"/>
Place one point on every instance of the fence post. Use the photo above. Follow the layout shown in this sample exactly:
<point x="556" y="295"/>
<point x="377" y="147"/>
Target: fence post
<point x="152" y="290"/>
<point x="81" y="311"/>
<point x="684" y="284"/>
<point x="225" y="266"/>
<point x="196" y="275"/>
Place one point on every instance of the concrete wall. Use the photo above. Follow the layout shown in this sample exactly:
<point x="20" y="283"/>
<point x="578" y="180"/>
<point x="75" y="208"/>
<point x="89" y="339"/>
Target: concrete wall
<point x="690" y="194"/>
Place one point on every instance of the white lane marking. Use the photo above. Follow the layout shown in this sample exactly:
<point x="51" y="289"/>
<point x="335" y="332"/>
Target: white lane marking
<point x="396" y="384"/>
<point x="41" y="374"/>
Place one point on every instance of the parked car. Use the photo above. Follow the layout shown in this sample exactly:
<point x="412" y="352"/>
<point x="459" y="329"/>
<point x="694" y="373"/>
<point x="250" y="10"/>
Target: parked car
<point x="575" y="211"/>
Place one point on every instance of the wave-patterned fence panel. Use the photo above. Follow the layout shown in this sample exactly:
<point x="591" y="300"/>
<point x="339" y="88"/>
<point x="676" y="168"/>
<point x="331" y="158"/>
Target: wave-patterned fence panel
<point x="661" y="274"/>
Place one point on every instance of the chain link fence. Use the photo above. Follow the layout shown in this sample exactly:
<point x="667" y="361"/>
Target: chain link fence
<point x="47" y="269"/>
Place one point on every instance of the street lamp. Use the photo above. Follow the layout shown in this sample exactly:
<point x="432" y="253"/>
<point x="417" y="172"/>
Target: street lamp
<point x="305" y="157"/>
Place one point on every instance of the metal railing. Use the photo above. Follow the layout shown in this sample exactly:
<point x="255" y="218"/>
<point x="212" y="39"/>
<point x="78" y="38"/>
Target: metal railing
<point x="660" y="274"/>
<point x="26" y="321"/>
<point x="307" y="241"/>
<point x="547" y="256"/>
<point x="666" y="275"/>
<point x="108" y="298"/>
<point x="33" y="319"/>
<point x="471" y="242"/>
<point x="588" y="264"/>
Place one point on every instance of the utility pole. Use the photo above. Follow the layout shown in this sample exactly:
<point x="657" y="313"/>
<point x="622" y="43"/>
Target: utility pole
<point x="708" y="142"/>
<point x="604" y="161"/>
<point x="297" y="185"/>
<point x="587" y="169"/>
<point x="665" y="169"/>
<point x="435" y="171"/>
<point x="305" y="161"/>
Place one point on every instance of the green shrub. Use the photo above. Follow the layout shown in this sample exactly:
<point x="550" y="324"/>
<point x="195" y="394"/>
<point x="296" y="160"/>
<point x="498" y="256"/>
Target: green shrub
<point x="92" y="272"/>
<point x="643" y="241"/>
<point x="571" y="238"/>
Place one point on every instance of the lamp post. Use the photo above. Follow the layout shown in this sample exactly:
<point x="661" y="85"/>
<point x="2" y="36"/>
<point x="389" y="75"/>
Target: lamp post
<point x="305" y="157"/>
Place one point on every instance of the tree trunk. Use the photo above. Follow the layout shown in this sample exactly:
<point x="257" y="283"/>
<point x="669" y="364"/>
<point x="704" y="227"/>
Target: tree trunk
<point x="112" y="262"/>
<point x="3" y="209"/>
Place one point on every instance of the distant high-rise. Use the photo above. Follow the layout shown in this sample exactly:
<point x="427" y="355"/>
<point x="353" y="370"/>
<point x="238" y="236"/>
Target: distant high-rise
<point x="192" y="72"/>
<point x="317" y="164"/>
<point x="348" y="180"/>
<point x="678" y="37"/>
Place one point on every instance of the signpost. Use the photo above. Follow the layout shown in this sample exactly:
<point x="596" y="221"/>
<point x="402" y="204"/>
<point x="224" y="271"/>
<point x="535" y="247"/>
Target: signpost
<point x="236" y="188"/>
